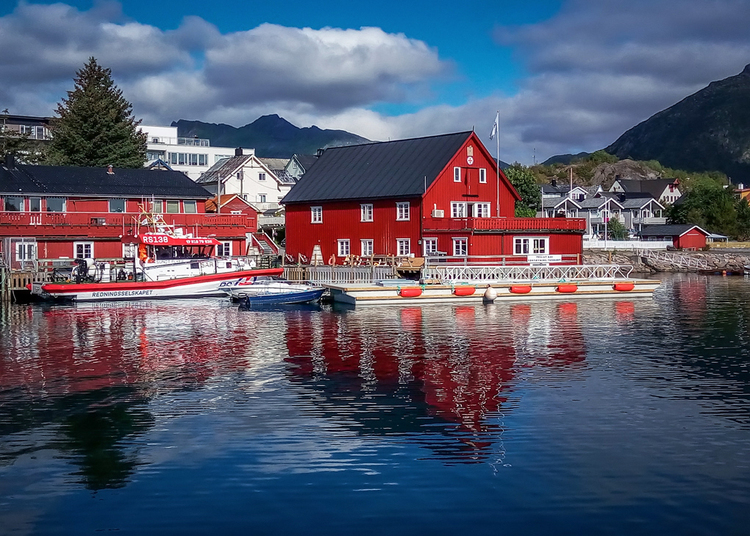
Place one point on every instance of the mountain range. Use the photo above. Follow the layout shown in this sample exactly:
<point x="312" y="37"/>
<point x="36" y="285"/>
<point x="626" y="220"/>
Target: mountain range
<point x="270" y="135"/>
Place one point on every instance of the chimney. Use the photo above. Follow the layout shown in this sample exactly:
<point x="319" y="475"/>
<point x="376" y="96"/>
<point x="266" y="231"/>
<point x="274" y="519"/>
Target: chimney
<point x="320" y="152"/>
<point x="110" y="170"/>
<point x="554" y="183"/>
<point x="238" y="151"/>
<point x="10" y="161"/>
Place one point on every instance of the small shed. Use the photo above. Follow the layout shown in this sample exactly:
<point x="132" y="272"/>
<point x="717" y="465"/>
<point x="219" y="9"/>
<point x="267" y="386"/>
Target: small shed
<point x="683" y="236"/>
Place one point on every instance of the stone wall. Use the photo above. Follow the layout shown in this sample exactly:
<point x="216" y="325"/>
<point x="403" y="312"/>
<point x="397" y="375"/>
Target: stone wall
<point x="717" y="262"/>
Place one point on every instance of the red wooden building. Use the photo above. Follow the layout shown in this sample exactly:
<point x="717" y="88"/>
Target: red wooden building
<point x="683" y="236"/>
<point x="57" y="212"/>
<point x="422" y="196"/>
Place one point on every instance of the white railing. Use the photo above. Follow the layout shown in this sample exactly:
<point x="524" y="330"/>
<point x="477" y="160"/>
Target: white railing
<point x="525" y="273"/>
<point x="626" y="245"/>
<point x="680" y="260"/>
<point x="340" y="274"/>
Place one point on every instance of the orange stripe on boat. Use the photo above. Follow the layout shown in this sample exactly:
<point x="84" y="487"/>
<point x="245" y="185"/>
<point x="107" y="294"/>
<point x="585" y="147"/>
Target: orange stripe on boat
<point x="624" y="287"/>
<point x="567" y="288"/>
<point x="464" y="291"/>
<point x="520" y="289"/>
<point x="411" y="292"/>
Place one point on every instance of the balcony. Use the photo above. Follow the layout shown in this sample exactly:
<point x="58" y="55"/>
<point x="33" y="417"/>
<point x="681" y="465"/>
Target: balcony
<point x="505" y="224"/>
<point x="652" y="220"/>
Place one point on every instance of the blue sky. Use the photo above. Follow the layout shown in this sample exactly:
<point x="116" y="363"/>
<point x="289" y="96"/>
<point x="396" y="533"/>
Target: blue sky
<point x="565" y="76"/>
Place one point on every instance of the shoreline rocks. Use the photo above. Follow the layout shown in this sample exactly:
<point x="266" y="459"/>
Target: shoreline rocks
<point x="717" y="262"/>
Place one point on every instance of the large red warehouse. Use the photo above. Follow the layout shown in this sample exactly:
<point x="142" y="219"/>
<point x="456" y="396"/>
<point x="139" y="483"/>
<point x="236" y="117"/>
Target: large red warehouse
<point x="421" y="196"/>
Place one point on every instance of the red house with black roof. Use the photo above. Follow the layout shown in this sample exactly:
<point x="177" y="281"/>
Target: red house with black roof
<point x="60" y="212"/>
<point x="422" y="196"/>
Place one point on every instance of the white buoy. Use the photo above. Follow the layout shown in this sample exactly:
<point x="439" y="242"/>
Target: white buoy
<point x="490" y="294"/>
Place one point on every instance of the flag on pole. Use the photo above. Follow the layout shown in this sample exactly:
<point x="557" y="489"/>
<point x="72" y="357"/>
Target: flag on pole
<point x="494" y="127"/>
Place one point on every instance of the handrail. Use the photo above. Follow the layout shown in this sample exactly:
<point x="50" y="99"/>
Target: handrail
<point x="532" y="274"/>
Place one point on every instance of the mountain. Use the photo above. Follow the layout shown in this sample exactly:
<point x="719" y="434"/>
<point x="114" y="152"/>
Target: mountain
<point x="707" y="131"/>
<point x="270" y="135"/>
<point x="564" y="159"/>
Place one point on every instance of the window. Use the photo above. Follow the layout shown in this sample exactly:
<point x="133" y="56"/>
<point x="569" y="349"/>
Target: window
<point x="83" y="250"/>
<point x="117" y="205"/>
<point x="173" y="207"/>
<point x="365" y="212"/>
<point x="316" y="214"/>
<point x="343" y="247"/>
<point x="458" y="209"/>
<point x="129" y="251"/>
<point x="481" y="210"/>
<point x="224" y="249"/>
<point x="403" y="246"/>
<point x="456" y="174"/>
<point x="402" y="211"/>
<point x="55" y="204"/>
<point x="157" y="206"/>
<point x="202" y="159"/>
<point x="430" y="246"/>
<point x="35" y="204"/>
<point x="526" y="246"/>
<point x="13" y="204"/>
<point x="190" y="207"/>
<point x="261" y="198"/>
<point x="25" y="251"/>
<point x="460" y="247"/>
<point x="366" y="247"/>
<point x="482" y="175"/>
<point x="261" y="176"/>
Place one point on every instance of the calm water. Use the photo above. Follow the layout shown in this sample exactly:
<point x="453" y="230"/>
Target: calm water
<point x="191" y="417"/>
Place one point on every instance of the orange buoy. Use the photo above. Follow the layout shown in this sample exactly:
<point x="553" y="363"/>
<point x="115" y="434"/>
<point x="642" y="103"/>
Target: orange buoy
<point x="520" y="289"/>
<point x="567" y="288"/>
<point x="624" y="287"/>
<point x="464" y="291"/>
<point x="411" y="292"/>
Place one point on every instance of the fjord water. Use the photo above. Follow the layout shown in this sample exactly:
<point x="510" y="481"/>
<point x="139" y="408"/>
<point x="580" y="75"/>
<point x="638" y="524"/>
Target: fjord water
<point x="193" y="417"/>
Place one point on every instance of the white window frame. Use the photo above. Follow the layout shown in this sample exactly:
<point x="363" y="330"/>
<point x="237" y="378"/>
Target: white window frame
<point x="403" y="247"/>
<point x="316" y="214"/>
<point x="481" y="210"/>
<point x="190" y="206"/>
<point x="224" y="249"/>
<point x="430" y="246"/>
<point x="62" y="199"/>
<point x="458" y="209"/>
<point x="261" y="198"/>
<point x="366" y="247"/>
<point x="366" y="212"/>
<point x="25" y="251"/>
<point x="261" y="176"/>
<point x="35" y="201"/>
<point x="173" y="201"/>
<point x="344" y="247"/>
<point x="83" y="248"/>
<point x="157" y="206"/>
<point x="113" y="207"/>
<point x="403" y="211"/>
<point x="483" y="175"/>
<point x="456" y="174"/>
<point x="129" y="251"/>
<point x="531" y="245"/>
<point x="460" y="246"/>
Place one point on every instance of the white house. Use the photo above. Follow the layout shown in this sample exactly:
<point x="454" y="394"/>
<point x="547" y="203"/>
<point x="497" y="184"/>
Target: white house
<point x="665" y="191"/>
<point x="192" y="156"/>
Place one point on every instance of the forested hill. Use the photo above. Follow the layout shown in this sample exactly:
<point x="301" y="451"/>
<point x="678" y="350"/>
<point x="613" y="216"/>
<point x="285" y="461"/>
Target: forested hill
<point x="707" y="131"/>
<point x="270" y="135"/>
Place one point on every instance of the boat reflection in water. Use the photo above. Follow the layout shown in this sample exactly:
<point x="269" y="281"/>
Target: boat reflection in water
<point x="402" y="368"/>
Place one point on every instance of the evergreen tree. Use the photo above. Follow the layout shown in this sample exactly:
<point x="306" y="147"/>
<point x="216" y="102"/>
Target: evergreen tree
<point x="95" y="126"/>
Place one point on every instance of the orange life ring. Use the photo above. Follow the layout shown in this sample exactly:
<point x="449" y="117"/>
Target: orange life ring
<point x="464" y="291"/>
<point x="624" y="287"/>
<point x="332" y="260"/>
<point x="567" y="288"/>
<point x="520" y="289"/>
<point x="411" y="292"/>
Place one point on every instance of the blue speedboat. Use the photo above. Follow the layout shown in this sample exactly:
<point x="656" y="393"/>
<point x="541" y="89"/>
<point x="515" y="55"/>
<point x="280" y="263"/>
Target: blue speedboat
<point x="260" y="299"/>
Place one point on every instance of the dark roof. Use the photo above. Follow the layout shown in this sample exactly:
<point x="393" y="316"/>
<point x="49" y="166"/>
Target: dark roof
<point x="389" y="169"/>
<point x="306" y="160"/>
<point x="95" y="181"/>
<point x="655" y="187"/>
<point x="223" y="168"/>
<point x="669" y="230"/>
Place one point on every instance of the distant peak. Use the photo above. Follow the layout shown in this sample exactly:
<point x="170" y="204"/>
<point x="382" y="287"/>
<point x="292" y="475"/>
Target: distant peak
<point x="746" y="70"/>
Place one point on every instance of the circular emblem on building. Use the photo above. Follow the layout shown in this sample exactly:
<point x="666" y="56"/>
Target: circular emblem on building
<point x="470" y="160"/>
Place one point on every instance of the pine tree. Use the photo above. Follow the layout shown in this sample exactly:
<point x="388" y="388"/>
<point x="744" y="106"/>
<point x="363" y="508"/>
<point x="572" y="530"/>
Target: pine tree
<point x="95" y="126"/>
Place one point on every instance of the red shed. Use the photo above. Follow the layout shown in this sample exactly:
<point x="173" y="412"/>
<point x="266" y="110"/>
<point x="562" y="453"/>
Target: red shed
<point x="421" y="196"/>
<point x="683" y="236"/>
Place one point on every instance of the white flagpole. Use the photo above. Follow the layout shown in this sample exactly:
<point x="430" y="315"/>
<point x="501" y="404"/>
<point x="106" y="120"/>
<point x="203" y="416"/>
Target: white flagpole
<point x="494" y="134"/>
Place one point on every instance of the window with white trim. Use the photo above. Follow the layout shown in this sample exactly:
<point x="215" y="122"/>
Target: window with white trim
<point x="224" y="249"/>
<point x="157" y="206"/>
<point x="530" y="245"/>
<point x="366" y="248"/>
<point x="430" y="246"/>
<point x="13" y="203"/>
<point x="261" y="198"/>
<point x="35" y="204"/>
<point x="402" y="211"/>
<point x="460" y="247"/>
<point x="316" y="214"/>
<point x="456" y="174"/>
<point x="403" y="246"/>
<point x="482" y="175"/>
<point x="83" y="250"/>
<point x="129" y="251"/>
<point x="117" y="205"/>
<point x="173" y="206"/>
<point x="55" y="204"/>
<point x="481" y="210"/>
<point x="365" y="212"/>
<point x="261" y="176"/>
<point x="343" y="248"/>
<point x="458" y="209"/>
<point x="25" y="251"/>
<point x="190" y="207"/>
